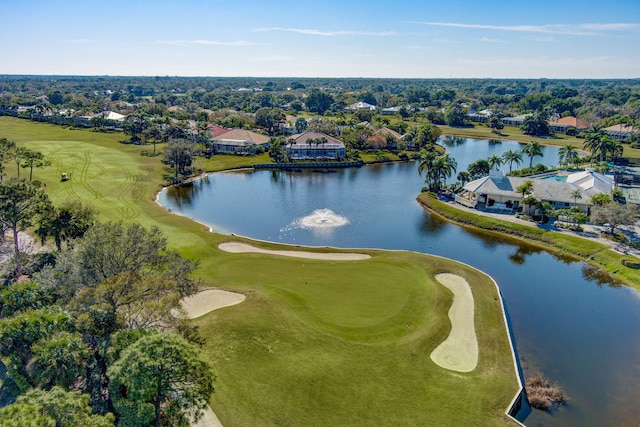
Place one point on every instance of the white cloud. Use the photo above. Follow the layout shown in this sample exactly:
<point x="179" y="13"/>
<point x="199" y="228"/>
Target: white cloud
<point x="575" y="30"/>
<point x="490" y="40"/>
<point x="206" y="42"/>
<point x="315" y="32"/>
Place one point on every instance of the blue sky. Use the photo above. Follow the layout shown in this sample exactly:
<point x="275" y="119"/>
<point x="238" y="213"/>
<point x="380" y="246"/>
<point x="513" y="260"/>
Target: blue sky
<point x="413" y="39"/>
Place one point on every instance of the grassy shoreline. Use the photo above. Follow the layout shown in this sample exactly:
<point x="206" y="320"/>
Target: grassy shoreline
<point x="572" y="247"/>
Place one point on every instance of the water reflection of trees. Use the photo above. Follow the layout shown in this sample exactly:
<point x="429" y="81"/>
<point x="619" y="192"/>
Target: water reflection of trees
<point x="519" y="257"/>
<point x="600" y="277"/>
<point x="432" y="225"/>
<point x="452" y="141"/>
<point x="187" y="194"/>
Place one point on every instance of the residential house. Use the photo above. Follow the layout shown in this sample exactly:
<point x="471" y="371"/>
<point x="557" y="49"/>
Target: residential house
<point x="621" y="132"/>
<point x="499" y="192"/>
<point x="315" y="145"/>
<point x="384" y="138"/>
<point x="516" y="120"/>
<point x="392" y="111"/>
<point x="360" y="106"/>
<point x="568" y="124"/>
<point x="239" y="141"/>
<point x="482" y="116"/>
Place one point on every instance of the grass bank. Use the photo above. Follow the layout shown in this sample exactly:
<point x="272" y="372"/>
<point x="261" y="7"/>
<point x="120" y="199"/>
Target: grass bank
<point x="315" y="342"/>
<point x="594" y="253"/>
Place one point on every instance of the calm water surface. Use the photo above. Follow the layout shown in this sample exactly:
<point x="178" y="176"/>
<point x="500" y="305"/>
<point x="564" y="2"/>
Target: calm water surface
<point x="569" y="323"/>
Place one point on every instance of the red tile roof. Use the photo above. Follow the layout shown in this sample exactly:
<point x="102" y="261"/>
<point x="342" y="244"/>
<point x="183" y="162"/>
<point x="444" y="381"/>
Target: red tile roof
<point x="572" y="121"/>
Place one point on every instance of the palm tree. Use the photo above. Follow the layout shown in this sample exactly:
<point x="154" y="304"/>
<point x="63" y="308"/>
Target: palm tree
<point x="323" y="141"/>
<point x="512" y="156"/>
<point x="595" y="140"/>
<point x="445" y="166"/>
<point x="427" y="161"/>
<point x="464" y="177"/>
<point x="495" y="161"/>
<point x="532" y="150"/>
<point x="576" y="194"/>
<point x="567" y="155"/>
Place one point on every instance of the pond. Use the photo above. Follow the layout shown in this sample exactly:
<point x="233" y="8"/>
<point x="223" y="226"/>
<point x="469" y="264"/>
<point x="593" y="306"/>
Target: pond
<point x="569" y="323"/>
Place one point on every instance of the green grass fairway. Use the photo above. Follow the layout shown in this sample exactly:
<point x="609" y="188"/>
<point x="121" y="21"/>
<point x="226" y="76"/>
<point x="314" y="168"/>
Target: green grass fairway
<point x="316" y="342"/>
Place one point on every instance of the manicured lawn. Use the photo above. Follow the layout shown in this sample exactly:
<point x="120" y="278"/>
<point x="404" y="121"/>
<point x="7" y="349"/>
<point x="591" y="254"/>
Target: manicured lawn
<point x="315" y="342"/>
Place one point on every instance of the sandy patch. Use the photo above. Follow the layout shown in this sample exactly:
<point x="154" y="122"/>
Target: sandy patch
<point x="208" y="419"/>
<point x="237" y="248"/>
<point x="459" y="352"/>
<point x="209" y="300"/>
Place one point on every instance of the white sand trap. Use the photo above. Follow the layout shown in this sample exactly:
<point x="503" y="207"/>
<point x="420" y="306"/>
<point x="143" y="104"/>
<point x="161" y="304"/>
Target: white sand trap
<point x="209" y="300"/>
<point x="459" y="352"/>
<point x="239" y="248"/>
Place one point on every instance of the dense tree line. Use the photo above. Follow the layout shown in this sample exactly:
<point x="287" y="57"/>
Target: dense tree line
<point x="91" y="336"/>
<point x="594" y="100"/>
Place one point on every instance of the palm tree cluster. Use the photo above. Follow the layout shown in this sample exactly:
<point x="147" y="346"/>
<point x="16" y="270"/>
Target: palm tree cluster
<point x="601" y="144"/>
<point x="437" y="169"/>
<point x="568" y="155"/>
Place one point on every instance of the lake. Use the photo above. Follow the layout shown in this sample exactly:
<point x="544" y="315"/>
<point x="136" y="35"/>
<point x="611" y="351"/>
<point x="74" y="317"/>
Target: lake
<point x="569" y="322"/>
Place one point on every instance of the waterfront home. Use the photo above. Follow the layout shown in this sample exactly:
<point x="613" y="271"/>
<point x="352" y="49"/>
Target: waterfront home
<point x="315" y="145"/>
<point x="499" y="192"/>
<point x="239" y="141"/>
<point x="568" y="124"/>
<point x="621" y="132"/>
<point x="516" y="120"/>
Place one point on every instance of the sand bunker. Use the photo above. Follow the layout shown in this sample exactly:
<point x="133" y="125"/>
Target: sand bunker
<point x="209" y="300"/>
<point x="238" y="248"/>
<point x="459" y="352"/>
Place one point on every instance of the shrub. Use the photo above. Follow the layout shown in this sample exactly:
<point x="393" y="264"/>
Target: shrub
<point x="631" y="262"/>
<point x="542" y="394"/>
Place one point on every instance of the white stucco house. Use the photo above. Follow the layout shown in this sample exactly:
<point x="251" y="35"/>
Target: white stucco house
<point x="499" y="192"/>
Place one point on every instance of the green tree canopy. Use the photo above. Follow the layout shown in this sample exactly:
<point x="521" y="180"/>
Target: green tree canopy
<point x="22" y="204"/>
<point x="167" y="372"/>
<point x="53" y="408"/>
<point x="614" y="214"/>
<point x="68" y="222"/>
<point x="7" y="148"/>
<point x="318" y="101"/>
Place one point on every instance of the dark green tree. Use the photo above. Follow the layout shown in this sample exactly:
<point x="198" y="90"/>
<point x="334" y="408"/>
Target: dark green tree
<point x="269" y="118"/>
<point x="22" y="205"/>
<point x="318" y="101"/>
<point x="454" y="115"/>
<point x="167" y="372"/>
<point x="532" y="149"/>
<point x="479" y="168"/>
<point x="536" y="124"/>
<point x="33" y="159"/>
<point x="134" y="125"/>
<point x="52" y="408"/>
<point x="68" y="222"/>
<point x="58" y="360"/>
<point x="7" y="148"/>
<point x="180" y="156"/>
<point x="301" y="125"/>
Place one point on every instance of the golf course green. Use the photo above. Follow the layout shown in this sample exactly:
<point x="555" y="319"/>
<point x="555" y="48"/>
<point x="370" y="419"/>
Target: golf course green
<point x="315" y="342"/>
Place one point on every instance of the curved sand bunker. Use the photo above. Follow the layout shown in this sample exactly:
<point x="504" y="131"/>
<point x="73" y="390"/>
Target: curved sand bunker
<point x="208" y="300"/>
<point x="459" y="352"/>
<point x="239" y="248"/>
